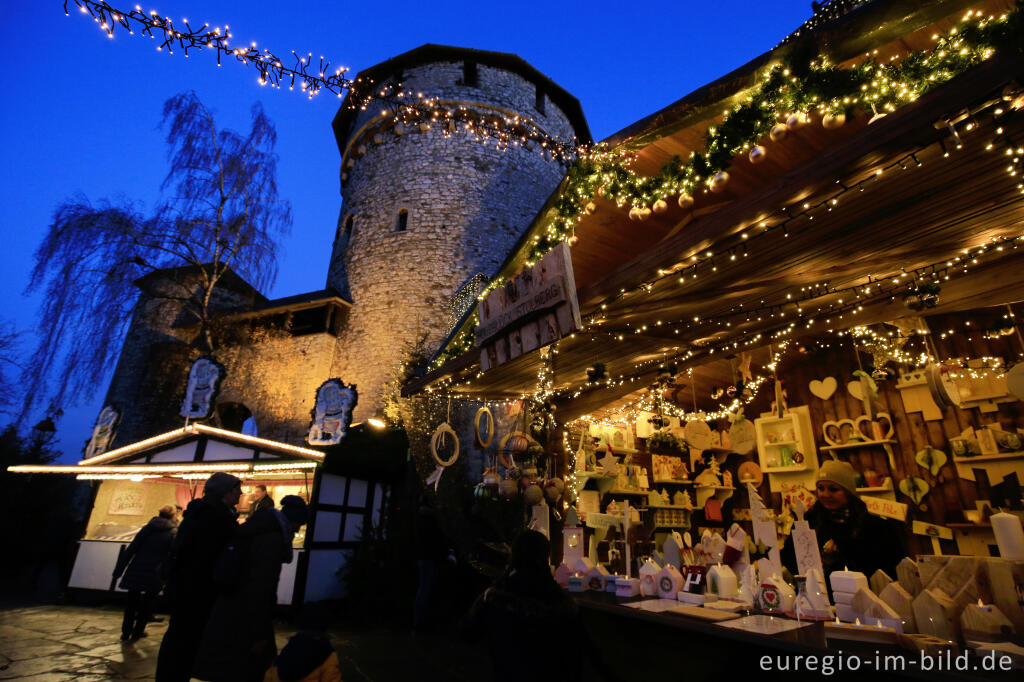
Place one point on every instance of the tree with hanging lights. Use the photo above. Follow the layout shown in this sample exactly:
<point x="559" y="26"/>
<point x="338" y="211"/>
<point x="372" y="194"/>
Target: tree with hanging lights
<point x="221" y="213"/>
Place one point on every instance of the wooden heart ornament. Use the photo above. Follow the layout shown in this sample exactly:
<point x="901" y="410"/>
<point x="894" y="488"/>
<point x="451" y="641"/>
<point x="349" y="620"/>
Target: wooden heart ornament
<point x="880" y="429"/>
<point x="839" y="432"/>
<point x="824" y="388"/>
<point x="855" y="389"/>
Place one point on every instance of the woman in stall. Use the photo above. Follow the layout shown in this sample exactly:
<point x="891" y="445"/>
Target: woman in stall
<point x="849" y="536"/>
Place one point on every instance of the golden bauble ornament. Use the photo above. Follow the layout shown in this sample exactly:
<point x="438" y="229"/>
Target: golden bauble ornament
<point x="660" y="206"/>
<point x="634" y="213"/>
<point x="685" y="200"/>
<point x="572" y="240"/>
<point x="833" y="121"/>
<point x="795" y="121"/>
<point x="757" y="154"/>
<point x="778" y="132"/>
<point x="590" y="208"/>
<point x="719" y="181"/>
<point x="644" y="213"/>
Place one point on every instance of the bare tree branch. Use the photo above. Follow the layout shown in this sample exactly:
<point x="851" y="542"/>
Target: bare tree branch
<point x="221" y="209"/>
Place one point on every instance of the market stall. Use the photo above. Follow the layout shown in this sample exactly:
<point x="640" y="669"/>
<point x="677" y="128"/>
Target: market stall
<point x="811" y="265"/>
<point x="135" y="481"/>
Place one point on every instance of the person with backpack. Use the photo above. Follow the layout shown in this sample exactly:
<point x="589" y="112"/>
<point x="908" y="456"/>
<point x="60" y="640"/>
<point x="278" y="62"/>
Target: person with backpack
<point x="238" y="642"/>
<point x="205" y="530"/>
<point x="141" y="563"/>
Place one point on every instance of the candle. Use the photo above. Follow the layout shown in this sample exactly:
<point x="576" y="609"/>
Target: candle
<point x="1009" y="535"/>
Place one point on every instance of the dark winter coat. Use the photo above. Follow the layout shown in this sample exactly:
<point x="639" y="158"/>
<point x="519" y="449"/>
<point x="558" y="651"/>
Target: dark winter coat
<point x="205" y="529"/>
<point x="238" y="643"/>
<point x="865" y="542"/>
<point x="141" y="562"/>
<point x="528" y="602"/>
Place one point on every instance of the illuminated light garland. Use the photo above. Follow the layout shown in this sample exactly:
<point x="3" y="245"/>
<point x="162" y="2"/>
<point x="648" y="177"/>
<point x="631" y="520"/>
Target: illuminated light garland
<point x="272" y="71"/>
<point x="956" y="265"/>
<point x="401" y="106"/>
<point x="201" y="429"/>
<point x="780" y="95"/>
<point x="787" y="220"/>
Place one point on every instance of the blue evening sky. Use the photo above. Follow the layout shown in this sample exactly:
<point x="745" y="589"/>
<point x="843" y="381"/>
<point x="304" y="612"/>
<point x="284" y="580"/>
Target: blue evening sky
<point x="80" y="111"/>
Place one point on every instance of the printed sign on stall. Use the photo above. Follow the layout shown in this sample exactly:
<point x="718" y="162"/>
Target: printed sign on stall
<point x="127" y="501"/>
<point x="887" y="508"/>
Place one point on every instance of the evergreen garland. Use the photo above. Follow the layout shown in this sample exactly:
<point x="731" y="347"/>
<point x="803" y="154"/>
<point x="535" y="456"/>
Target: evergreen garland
<point x="803" y="84"/>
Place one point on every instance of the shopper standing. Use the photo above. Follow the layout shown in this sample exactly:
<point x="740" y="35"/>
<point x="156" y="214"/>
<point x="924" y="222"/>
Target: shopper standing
<point x="205" y="530"/>
<point x="140" y="563"/>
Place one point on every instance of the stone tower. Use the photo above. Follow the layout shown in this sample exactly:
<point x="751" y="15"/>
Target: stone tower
<point x="427" y="207"/>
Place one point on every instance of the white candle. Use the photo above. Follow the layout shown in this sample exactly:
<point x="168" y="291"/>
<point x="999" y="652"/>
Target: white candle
<point x="1009" y="535"/>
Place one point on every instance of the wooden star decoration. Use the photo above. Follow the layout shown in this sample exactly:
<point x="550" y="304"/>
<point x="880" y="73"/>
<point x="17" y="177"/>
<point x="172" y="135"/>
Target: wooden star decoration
<point x="610" y="465"/>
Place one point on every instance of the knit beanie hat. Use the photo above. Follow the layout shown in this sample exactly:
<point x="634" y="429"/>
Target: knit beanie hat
<point x="294" y="507"/>
<point x="220" y="484"/>
<point x="841" y="473"/>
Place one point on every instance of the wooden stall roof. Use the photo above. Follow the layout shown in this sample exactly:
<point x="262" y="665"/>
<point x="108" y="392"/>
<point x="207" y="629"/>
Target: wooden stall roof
<point x="860" y="205"/>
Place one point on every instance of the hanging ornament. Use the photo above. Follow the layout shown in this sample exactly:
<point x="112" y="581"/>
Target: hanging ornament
<point x="533" y="495"/>
<point x="719" y="181"/>
<point x="685" y="200"/>
<point x="591" y="208"/>
<point x="378" y="139"/>
<point x="483" y="427"/>
<point x="660" y="206"/>
<point x="361" y="150"/>
<point x="634" y="213"/>
<point x="491" y="479"/>
<point x="757" y="154"/>
<point x="508" y="488"/>
<point x="572" y="240"/>
<point x="424" y="127"/>
<point x="778" y="132"/>
<point x="833" y="121"/>
<point x="795" y="121"/>
<point x="644" y="213"/>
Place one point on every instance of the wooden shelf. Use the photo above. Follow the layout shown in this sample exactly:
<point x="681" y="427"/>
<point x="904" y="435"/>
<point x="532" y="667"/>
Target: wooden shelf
<point x="624" y="491"/>
<point x="982" y="458"/>
<point x="858" y="444"/>
<point x="676" y="481"/>
<point x="783" y="470"/>
<point x="668" y="506"/>
<point x="780" y="443"/>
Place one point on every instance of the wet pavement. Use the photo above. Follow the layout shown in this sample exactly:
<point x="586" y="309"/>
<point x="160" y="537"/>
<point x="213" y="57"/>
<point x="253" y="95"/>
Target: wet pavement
<point x="53" y="643"/>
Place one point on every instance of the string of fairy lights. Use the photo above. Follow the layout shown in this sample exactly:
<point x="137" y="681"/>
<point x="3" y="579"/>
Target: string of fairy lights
<point x="402" y="107"/>
<point x="794" y="220"/>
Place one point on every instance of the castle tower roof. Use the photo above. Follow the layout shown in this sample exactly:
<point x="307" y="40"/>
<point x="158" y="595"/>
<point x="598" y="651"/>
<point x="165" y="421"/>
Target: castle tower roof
<point x="428" y="53"/>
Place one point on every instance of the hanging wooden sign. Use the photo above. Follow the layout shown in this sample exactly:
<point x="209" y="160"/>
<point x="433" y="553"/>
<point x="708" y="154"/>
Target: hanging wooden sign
<point x="535" y="308"/>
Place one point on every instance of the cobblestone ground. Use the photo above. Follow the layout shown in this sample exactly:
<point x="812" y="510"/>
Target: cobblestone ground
<point x="53" y="643"/>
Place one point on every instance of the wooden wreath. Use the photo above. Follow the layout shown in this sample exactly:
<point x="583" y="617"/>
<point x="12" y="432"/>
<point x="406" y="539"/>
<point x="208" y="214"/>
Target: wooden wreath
<point x="480" y="414"/>
<point x="512" y="444"/>
<point x="436" y="439"/>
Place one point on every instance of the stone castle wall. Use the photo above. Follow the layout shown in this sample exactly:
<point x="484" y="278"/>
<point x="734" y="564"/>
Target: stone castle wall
<point x="467" y="202"/>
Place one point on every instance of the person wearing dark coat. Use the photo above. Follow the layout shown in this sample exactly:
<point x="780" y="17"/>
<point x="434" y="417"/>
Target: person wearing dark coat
<point x="526" y="599"/>
<point x="238" y="643"/>
<point x="205" y="530"/>
<point x="260" y="499"/>
<point x="849" y="536"/>
<point x="141" y="563"/>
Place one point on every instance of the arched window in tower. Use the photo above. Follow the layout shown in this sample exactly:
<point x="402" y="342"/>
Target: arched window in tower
<point x="470" y="76"/>
<point x="235" y="417"/>
<point x="539" y="100"/>
<point x="402" y="223"/>
<point x="350" y="222"/>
